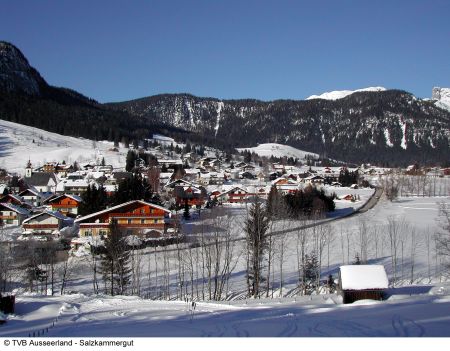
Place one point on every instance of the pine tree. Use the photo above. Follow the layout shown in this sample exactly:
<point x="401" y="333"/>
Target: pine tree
<point x="256" y="227"/>
<point x="357" y="260"/>
<point x="131" y="158"/>
<point x="274" y="203"/>
<point x="135" y="188"/>
<point x="310" y="272"/>
<point x="94" y="200"/>
<point x="186" y="213"/>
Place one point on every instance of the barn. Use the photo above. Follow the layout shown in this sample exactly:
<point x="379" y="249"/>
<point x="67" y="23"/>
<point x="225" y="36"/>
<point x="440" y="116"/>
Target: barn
<point x="360" y="282"/>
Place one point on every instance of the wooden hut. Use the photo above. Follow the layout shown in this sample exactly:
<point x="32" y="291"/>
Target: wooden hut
<point x="7" y="303"/>
<point x="360" y="282"/>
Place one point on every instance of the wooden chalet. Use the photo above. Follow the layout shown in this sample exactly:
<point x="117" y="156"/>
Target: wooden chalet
<point x="32" y="196"/>
<point x="133" y="218"/>
<point x="55" y="167"/>
<point x="234" y="195"/>
<point x="66" y="204"/>
<point x="16" y="200"/>
<point x="248" y="168"/>
<point x="191" y="195"/>
<point x="360" y="282"/>
<point x="285" y="185"/>
<point x="11" y="214"/>
<point x="46" y="222"/>
<point x="72" y="187"/>
<point x="179" y="182"/>
<point x="314" y="179"/>
<point x="7" y="304"/>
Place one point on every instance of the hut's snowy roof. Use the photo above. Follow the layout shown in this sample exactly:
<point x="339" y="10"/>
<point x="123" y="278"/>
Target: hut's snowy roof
<point x="360" y="277"/>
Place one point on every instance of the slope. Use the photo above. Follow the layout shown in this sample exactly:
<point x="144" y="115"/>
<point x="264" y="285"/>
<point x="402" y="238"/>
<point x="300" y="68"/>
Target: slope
<point x="20" y="143"/>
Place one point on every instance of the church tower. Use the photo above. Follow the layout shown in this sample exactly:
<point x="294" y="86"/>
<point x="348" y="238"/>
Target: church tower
<point x="28" y="170"/>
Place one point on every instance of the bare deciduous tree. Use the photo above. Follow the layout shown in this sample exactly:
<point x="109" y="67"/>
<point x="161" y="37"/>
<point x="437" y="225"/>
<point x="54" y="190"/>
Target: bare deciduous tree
<point x="396" y="229"/>
<point x="443" y="235"/>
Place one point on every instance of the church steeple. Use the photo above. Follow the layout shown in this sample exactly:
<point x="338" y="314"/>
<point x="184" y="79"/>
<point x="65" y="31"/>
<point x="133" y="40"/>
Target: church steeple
<point x="28" y="169"/>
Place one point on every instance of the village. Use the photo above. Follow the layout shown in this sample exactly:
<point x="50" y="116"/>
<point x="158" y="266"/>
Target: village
<point x="184" y="213"/>
<point x="43" y="203"/>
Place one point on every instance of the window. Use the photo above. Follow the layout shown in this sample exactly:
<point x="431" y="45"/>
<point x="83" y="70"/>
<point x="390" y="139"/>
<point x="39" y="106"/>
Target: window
<point x="155" y="221"/>
<point x="142" y="221"/>
<point x="129" y="221"/>
<point x="142" y="211"/>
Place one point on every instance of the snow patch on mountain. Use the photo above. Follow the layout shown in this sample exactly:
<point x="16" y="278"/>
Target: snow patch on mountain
<point x="20" y="143"/>
<point x="191" y="112"/>
<point x="339" y="94"/>
<point x="388" y="138"/>
<point x="279" y="150"/>
<point x="403" y="126"/>
<point x="219" y="110"/>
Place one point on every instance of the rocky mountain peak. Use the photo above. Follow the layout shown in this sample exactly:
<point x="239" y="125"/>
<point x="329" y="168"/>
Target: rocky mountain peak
<point x="16" y="74"/>
<point x="442" y="97"/>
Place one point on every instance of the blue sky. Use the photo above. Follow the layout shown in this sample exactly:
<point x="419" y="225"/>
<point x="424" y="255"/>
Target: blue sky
<point x="121" y="50"/>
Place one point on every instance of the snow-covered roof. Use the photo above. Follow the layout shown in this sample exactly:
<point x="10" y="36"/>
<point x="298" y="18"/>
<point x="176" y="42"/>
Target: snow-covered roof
<point x="55" y="214"/>
<point x="31" y="190"/>
<point x="18" y="198"/>
<point x="179" y="182"/>
<point x="360" y="277"/>
<point x="73" y="197"/>
<point x="14" y="208"/>
<point x="79" y="183"/>
<point x="111" y="209"/>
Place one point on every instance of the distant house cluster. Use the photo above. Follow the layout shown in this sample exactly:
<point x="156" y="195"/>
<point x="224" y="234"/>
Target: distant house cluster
<point x="46" y="201"/>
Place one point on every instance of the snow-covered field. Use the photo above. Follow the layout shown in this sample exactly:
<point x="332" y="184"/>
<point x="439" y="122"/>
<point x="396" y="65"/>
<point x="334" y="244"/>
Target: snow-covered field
<point x="408" y="312"/>
<point x="279" y="150"/>
<point x="417" y="306"/>
<point x="20" y="143"/>
<point x="420" y="309"/>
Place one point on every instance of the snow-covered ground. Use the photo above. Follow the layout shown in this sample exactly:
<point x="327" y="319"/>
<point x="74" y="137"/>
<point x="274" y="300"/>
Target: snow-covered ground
<point x="420" y="309"/>
<point x="408" y="312"/>
<point x="20" y="143"/>
<point x="279" y="150"/>
<point x="417" y="215"/>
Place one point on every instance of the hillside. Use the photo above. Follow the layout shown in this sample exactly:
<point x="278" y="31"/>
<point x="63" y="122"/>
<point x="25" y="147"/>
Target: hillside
<point x="389" y="127"/>
<point x="279" y="150"/>
<point x="20" y="143"/>
<point x="26" y="98"/>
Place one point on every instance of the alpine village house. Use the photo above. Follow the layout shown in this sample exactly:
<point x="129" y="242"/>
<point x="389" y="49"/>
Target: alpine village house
<point x="134" y="218"/>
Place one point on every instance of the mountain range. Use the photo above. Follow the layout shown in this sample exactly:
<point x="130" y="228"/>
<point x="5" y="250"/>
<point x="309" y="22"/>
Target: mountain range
<point x="375" y="125"/>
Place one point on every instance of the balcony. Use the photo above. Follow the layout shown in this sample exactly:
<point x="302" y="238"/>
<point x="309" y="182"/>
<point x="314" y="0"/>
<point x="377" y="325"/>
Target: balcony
<point x="136" y="215"/>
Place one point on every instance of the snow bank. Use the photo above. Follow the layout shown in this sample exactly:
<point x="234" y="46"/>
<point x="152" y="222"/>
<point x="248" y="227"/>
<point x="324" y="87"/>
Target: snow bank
<point x="358" y="277"/>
